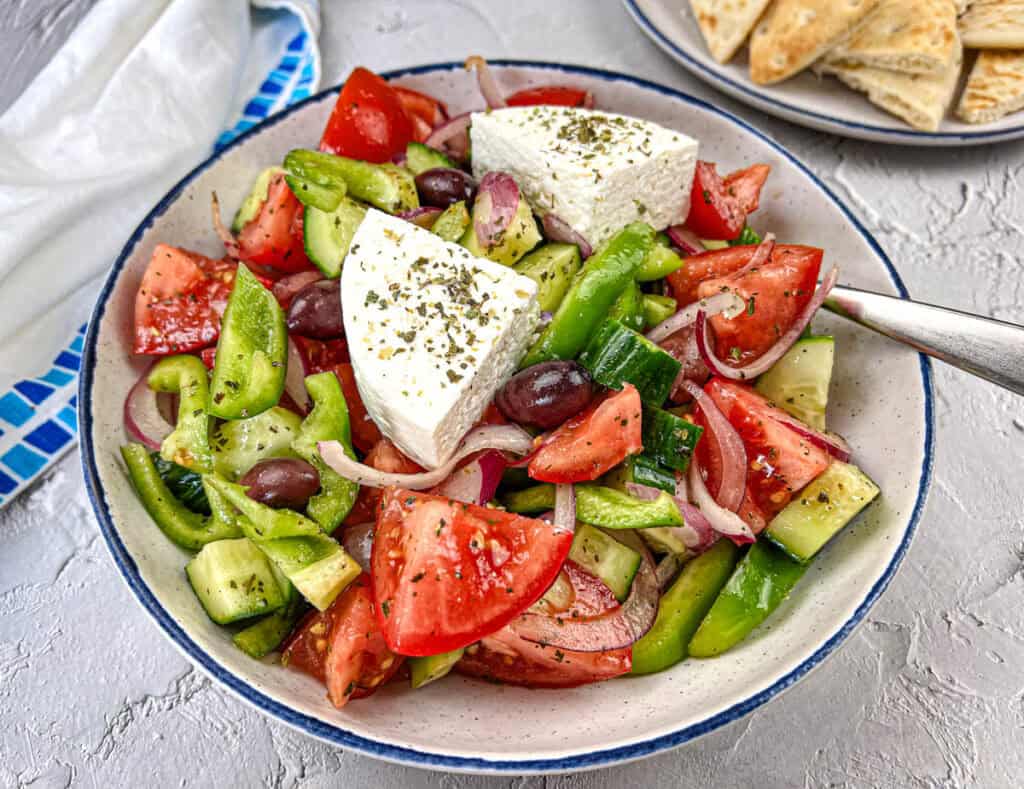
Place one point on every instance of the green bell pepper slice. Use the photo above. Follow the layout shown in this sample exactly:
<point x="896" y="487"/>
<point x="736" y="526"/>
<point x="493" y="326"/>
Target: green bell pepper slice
<point x="187" y="529"/>
<point x="385" y="186"/>
<point x="601" y="281"/>
<point x="263" y="637"/>
<point x="628" y="308"/>
<point x="682" y="607"/>
<point x="189" y="443"/>
<point x="659" y="263"/>
<point x="601" y="506"/>
<point x="252" y="352"/>
<point x="328" y="421"/>
<point x="657" y="309"/>
<point x="758" y="585"/>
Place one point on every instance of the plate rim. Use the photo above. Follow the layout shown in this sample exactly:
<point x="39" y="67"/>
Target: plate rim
<point x="403" y="755"/>
<point x="810" y="119"/>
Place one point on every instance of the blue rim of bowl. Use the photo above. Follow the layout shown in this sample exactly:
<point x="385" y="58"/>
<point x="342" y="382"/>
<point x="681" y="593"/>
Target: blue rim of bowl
<point x="905" y="136"/>
<point x="408" y="756"/>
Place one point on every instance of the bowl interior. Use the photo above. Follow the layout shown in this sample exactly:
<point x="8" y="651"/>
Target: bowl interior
<point x="879" y="402"/>
<point x="821" y="103"/>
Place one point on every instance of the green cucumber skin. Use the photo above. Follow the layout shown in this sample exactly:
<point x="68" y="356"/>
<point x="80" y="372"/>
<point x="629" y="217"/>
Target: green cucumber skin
<point x="185" y="485"/>
<point x="669" y="439"/>
<point x="628" y="309"/>
<point x="821" y="510"/>
<point x="234" y="580"/>
<point x="520" y="237"/>
<point x="452" y="223"/>
<point x="617" y="355"/>
<point x="552" y="266"/>
<point x="761" y="581"/>
<point x="385" y="186"/>
<point x="263" y="637"/>
<point x="327" y="236"/>
<point x="601" y="555"/>
<point x="682" y="607"/>
<point x="311" y="195"/>
<point x="419" y="158"/>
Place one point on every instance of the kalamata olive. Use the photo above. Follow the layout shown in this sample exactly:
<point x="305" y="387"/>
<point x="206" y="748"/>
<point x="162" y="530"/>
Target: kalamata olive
<point x="443" y="186"/>
<point x="316" y="311"/>
<point x="281" y="482"/>
<point x="546" y="394"/>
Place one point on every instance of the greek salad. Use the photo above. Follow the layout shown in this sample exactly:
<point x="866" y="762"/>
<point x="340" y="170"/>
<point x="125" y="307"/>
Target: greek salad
<point x="519" y="394"/>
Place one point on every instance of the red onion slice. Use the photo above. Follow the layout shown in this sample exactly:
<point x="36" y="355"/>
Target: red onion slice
<point x="452" y="135"/>
<point x="588" y="102"/>
<point x="295" y="376"/>
<point x="565" y="507"/>
<point x="686" y="240"/>
<point x="357" y="541"/>
<point x="667" y="569"/>
<point x="229" y="241"/>
<point x="832" y="443"/>
<point x="504" y="438"/>
<point x="423" y="216"/>
<point x="286" y="288"/>
<point x="728" y="304"/>
<point x="142" y="417"/>
<point x="696" y="533"/>
<point x="399" y="158"/>
<point x="497" y="200"/>
<point x="485" y="79"/>
<point x="777" y="351"/>
<point x="730" y="446"/>
<point x="557" y="229"/>
<point x="167" y="404"/>
<point x="477" y="481"/>
<point x="723" y="521"/>
<point x="619" y="628"/>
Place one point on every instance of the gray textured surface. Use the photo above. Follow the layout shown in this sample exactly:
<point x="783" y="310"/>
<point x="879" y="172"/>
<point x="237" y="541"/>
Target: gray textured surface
<point x="929" y="693"/>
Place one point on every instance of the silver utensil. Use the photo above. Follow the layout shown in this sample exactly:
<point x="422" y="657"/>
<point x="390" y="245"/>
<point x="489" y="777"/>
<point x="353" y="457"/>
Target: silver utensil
<point x="989" y="348"/>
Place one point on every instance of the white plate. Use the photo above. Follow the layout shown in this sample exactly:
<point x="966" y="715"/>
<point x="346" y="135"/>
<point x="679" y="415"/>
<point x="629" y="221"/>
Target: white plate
<point x="881" y="401"/>
<point x="823" y="104"/>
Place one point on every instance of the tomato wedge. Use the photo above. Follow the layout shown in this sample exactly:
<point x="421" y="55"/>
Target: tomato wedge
<point x="368" y="121"/>
<point x="180" y="301"/>
<point x="746" y="185"/>
<point x="446" y="574"/>
<point x="558" y="95"/>
<point x="274" y="237"/>
<point x="343" y="647"/>
<point x="592" y="442"/>
<point x="775" y="293"/>
<point x="780" y="462"/>
<point x="505" y="657"/>
<point x="365" y="433"/>
<point x="425" y="112"/>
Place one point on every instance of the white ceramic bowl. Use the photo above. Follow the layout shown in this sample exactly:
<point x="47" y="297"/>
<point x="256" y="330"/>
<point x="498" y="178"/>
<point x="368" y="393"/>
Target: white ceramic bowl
<point x="822" y="104"/>
<point x="881" y="400"/>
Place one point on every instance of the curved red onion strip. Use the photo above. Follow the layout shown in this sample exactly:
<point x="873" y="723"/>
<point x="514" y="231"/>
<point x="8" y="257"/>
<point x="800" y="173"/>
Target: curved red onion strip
<point x="557" y="229"/>
<point x="452" y="133"/>
<point x="142" y="418"/>
<point x="229" y="241"/>
<point x="765" y="362"/>
<point x="565" y="507"/>
<point x="667" y="569"/>
<point x="505" y="438"/>
<point x="295" y="376"/>
<point x="686" y="240"/>
<point x="723" y="521"/>
<point x="477" y="481"/>
<point x="423" y="216"/>
<point x="728" y="304"/>
<point x="485" y="79"/>
<point x="730" y="446"/>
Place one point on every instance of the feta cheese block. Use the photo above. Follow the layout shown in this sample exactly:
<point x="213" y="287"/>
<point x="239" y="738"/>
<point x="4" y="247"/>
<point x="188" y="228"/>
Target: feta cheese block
<point x="433" y="332"/>
<point x="595" y="170"/>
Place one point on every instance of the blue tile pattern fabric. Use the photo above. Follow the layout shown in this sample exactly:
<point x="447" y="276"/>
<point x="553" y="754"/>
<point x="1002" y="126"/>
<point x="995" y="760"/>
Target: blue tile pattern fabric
<point x="38" y="417"/>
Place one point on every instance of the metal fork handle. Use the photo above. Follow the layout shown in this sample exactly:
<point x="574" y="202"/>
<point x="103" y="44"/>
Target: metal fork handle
<point x="986" y="347"/>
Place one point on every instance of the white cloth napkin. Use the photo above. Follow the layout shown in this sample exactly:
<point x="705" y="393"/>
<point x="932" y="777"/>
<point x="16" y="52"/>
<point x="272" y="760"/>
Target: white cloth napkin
<point x="140" y="93"/>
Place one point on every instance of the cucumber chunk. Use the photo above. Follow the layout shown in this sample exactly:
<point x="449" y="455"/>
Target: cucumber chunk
<point x="187" y="486"/>
<point x="234" y="580"/>
<point x="758" y="585"/>
<point x="328" y="235"/>
<point x="519" y="237"/>
<point x="419" y="158"/>
<point x="607" y="558"/>
<point x="798" y="383"/>
<point x="263" y="637"/>
<point x="552" y="267"/>
<point x="663" y="539"/>
<point x="452" y="223"/>
<point x="253" y="201"/>
<point x="601" y="506"/>
<point x="669" y="439"/>
<point x="682" y="607"/>
<point x="821" y="509"/>
<point x="642" y="470"/>
<point x="240" y="444"/>
<point x="617" y="355"/>
<point x="424" y="670"/>
<point x="312" y="195"/>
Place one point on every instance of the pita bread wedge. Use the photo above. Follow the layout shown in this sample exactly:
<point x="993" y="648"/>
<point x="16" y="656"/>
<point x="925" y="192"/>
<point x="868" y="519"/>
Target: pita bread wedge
<point x="993" y="24"/>
<point x="995" y="86"/>
<point x="919" y="99"/>
<point x="726" y="24"/>
<point x="795" y="33"/>
<point x="911" y="36"/>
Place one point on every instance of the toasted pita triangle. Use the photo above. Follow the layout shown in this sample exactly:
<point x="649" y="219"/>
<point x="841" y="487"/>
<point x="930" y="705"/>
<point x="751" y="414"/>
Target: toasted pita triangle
<point x="726" y="24"/>
<point x="993" y="24"/>
<point x="795" y="33"/>
<point x="919" y="99"/>
<point x="912" y="36"/>
<point x="995" y="87"/>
